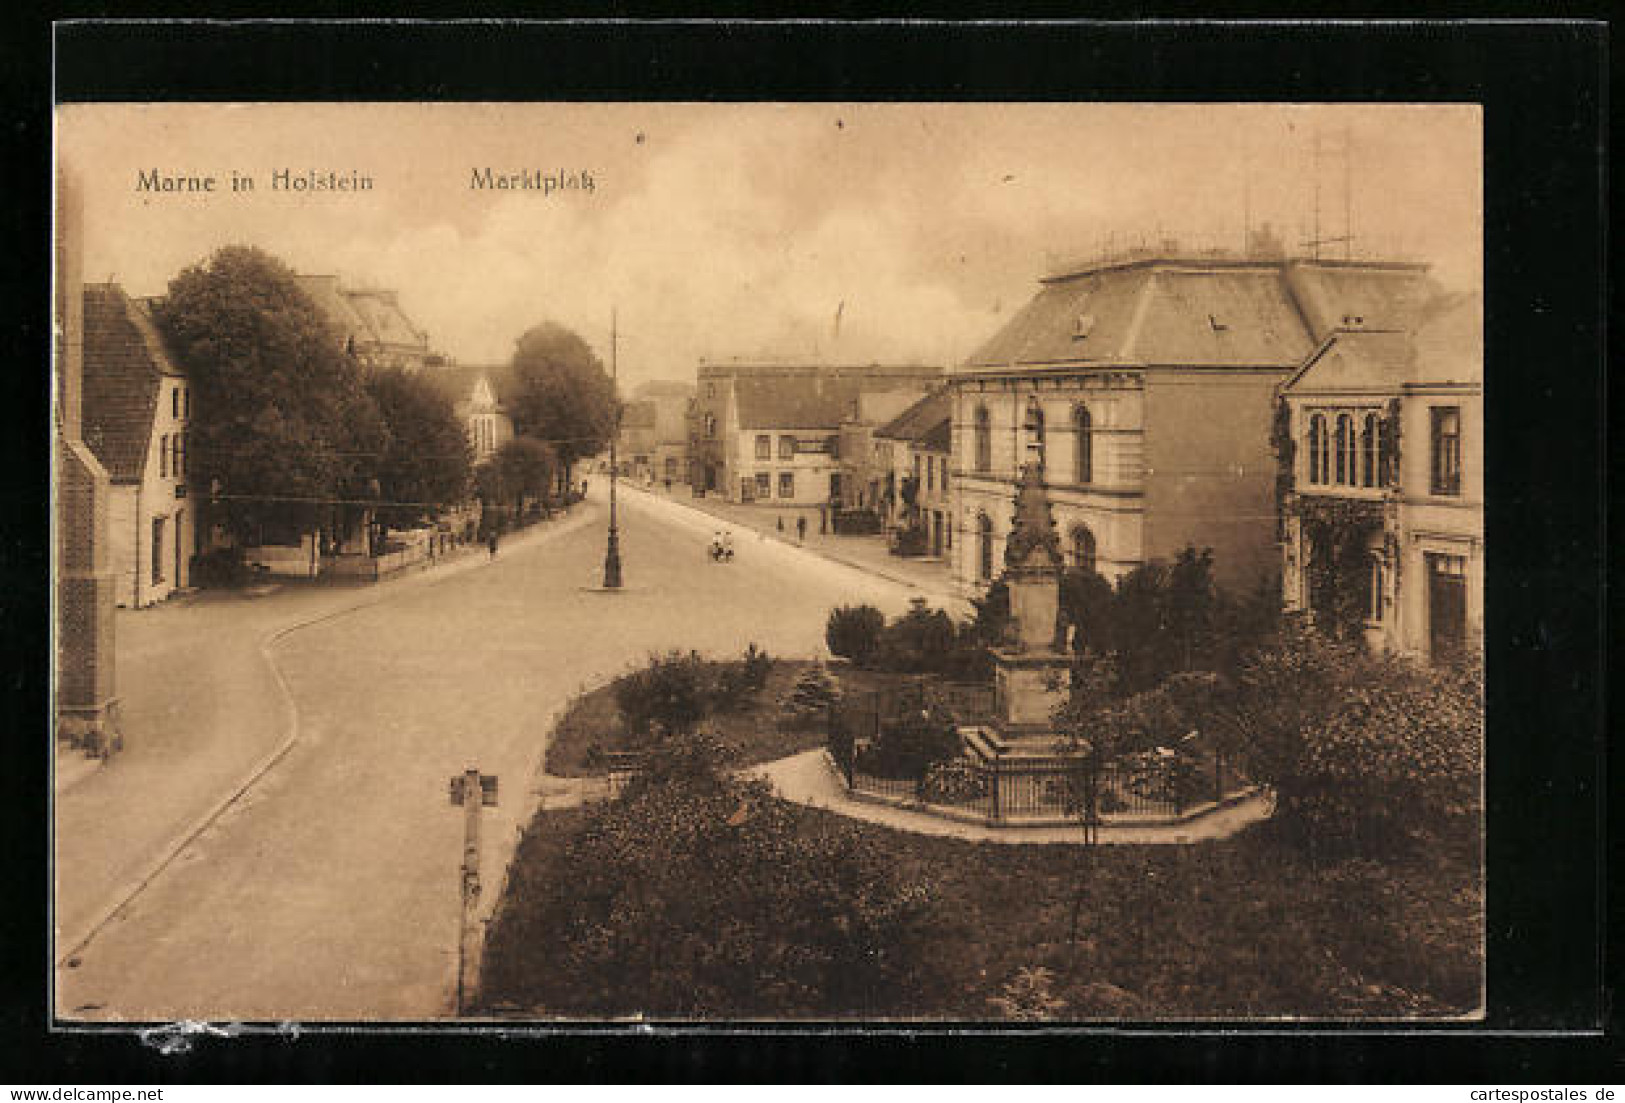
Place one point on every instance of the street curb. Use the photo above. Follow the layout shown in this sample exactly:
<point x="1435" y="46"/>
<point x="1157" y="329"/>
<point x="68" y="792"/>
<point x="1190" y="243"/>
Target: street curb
<point x="944" y="595"/>
<point x="270" y="639"/>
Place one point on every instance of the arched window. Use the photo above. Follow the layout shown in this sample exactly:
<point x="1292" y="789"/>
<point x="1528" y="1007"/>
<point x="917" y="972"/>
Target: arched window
<point x="984" y="440"/>
<point x="1369" y="437"/>
<point x="984" y="547"/>
<point x="1034" y="424"/>
<point x="1083" y="547"/>
<point x="1083" y="444"/>
<point x="1317" y="448"/>
<point x="1344" y="450"/>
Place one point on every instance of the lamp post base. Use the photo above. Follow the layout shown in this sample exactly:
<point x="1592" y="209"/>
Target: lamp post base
<point x="612" y="562"/>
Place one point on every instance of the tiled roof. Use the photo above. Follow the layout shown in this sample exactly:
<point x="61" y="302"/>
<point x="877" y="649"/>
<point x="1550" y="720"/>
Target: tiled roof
<point x="639" y="415"/>
<point x="457" y="383"/>
<point x="795" y="402"/>
<point x="369" y="316"/>
<point x="1199" y="313"/>
<point x="1446" y="347"/>
<point x="124" y="361"/>
<point x="920" y="420"/>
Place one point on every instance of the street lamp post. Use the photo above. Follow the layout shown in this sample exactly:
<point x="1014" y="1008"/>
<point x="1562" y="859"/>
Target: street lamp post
<point x="612" y="552"/>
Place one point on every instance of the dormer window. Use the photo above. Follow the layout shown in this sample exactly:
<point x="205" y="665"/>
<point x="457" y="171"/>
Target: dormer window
<point x="1082" y="326"/>
<point x="1215" y="324"/>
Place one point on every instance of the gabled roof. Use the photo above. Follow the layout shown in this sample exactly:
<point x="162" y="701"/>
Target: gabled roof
<point x="921" y="420"/>
<point x="795" y="402"/>
<point x="639" y="415"/>
<point x="1198" y="313"/>
<point x="367" y="315"/>
<point x="664" y="388"/>
<point x="125" y="360"/>
<point x="1446" y="347"/>
<point x="457" y="383"/>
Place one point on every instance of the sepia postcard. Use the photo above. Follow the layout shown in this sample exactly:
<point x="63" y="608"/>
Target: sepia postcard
<point x="560" y="562"/>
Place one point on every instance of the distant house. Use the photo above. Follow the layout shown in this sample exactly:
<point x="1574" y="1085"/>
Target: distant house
<point x="478" y="397"/>
<point x="137" y="407"/>
<point x="672" y="398"/>
<point x="772" y="433"/>
<point x="1145" y="387"/>
<point x="638" y="436"/>
<point x="911" y="484"/>
<point x="370" y="323"/>
<point x="1383" y="519"/>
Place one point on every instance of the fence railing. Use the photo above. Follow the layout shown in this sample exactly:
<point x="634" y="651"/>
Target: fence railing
<point x="1147" y="786"/>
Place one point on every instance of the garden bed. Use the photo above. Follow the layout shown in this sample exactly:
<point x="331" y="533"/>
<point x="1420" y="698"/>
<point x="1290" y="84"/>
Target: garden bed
<point x="1243" y="927"/>
<point x="593" y="720"/>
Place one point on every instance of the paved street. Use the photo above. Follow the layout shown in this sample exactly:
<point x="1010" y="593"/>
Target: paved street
<point x="329" y="889"/>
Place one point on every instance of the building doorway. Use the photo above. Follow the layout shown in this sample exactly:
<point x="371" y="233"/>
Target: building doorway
<point x="1447" y="606"/>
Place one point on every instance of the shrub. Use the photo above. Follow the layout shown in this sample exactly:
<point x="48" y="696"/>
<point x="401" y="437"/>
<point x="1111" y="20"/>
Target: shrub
<point x="667" y="696"/>
<point x="696" y="895"/>
<point x="1029" y="997"/>
<point x="911" y="541"/>
<point x="908" y="745"/>
<point x="954" y="782"/>
<point x="223" y="567"/>
<point x="853" y="632"/>
<point x="757" y="665"/>
<point x="921" y="641"/>
<point x="855" y="522"/>
<point x="1366" y="754"/>
<point x="811" y="698"/>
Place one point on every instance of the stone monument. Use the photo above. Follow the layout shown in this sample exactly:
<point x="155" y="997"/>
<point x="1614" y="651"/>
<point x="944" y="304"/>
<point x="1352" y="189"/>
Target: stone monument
<point x="1031" y="668"/>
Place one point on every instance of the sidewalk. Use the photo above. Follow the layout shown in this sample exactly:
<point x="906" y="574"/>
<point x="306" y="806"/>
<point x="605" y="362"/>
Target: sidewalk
<point x="204" y="712"/>
<point x="865" y="553"/>
<point x="809" y="778"/>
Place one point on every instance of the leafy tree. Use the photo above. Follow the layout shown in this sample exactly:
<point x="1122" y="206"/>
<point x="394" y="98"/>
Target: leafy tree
<point x="853" y="632"/>
<point x="696" y="894"/>
<point x="525" y="468"/>
<point x="1087" y="607"/>
<point x="428" y="461"/>
<point x="562" y="395"/>
<point x="920" y="641"/>
<point x="282" y="422"/>
<point x="812" y="697"/>
<point x="669" y="695"/>
<point x="1365" y="752"/>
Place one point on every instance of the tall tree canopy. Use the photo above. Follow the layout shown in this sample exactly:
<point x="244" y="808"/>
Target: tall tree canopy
<point x="281" y="420"/>
<point x="562" y="394"/>
<point x="428" y="462"/>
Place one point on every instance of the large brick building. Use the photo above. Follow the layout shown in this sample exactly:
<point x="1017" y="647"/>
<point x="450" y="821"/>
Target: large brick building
<point x="1146" y="387"/>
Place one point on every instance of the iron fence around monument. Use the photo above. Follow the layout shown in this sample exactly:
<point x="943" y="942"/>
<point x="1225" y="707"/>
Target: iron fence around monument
<point x="1155" y="785"/>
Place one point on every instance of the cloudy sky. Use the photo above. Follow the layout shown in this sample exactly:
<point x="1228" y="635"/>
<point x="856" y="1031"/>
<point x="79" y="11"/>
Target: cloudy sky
<point x="747" y="229"/>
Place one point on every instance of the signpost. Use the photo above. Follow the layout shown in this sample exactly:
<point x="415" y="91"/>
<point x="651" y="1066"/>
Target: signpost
<point x="471" y="790"/>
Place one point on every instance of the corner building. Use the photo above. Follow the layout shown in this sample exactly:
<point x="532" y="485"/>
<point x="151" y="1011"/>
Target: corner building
<point x="1145" y="386"/>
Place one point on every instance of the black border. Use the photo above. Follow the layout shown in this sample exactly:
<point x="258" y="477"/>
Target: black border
<point x="1544" y="90"/>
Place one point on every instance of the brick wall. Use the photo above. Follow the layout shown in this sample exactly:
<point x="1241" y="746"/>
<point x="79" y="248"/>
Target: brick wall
<point x="85" y="683"/>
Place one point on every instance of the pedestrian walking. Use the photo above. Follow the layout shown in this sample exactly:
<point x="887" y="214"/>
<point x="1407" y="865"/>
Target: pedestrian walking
<point x="781" y="526"/>
<point x="491" y="543"/>
<point x="801" y="528"/>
